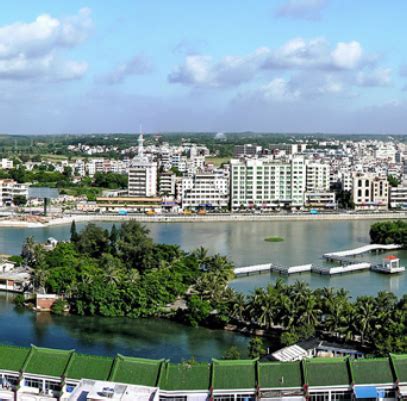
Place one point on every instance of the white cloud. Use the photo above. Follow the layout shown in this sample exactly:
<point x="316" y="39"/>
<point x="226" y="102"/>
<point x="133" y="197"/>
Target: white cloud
<point x="31" y="50"/>
<point x="138" y="65"/>
<point x="377" y="77"/>
<point x="347" y="55"/>
<point x="203" y="71"/>
<point x="301" y="9"/>
<point x="279" y="89"/>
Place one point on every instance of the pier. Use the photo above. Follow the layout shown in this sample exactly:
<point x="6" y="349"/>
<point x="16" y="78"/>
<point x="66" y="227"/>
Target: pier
<point x="342" y="269"/>
<point x="270" y="267"/>
<point x="342" y="255"/>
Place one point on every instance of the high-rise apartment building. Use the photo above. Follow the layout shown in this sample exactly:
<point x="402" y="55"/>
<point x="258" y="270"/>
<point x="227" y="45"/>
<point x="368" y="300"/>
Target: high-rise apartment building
<point x="267" y="183"/>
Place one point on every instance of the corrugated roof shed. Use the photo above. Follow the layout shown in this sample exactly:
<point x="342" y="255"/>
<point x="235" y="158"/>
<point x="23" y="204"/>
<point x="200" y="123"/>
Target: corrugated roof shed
<point x="185" y="377"/>
<point x="89" y="366"/>
<point x="280" y="374"/>
<point x="139" y="371"/>
<point x="234" y="374"/>
<point x="13" y="358"/>
<point x="47" y="362"/>
<point x="327" y="372"/>
<point x="372" y="371"/>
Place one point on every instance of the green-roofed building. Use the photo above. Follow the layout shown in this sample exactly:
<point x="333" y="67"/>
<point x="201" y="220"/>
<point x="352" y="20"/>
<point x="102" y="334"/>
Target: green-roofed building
<point x="195" y="377"/>
<point x="47" y="362"/>
<point x="89" y="366"/>
<point x="13" y="358"/>
<point x="280" y="375"/>
<point x="233" y="375"/>
<point x="139" y="371"/>
<point x="322" y="372"/>
<point x="400" y="367"/>
<point x="372" y="371"/>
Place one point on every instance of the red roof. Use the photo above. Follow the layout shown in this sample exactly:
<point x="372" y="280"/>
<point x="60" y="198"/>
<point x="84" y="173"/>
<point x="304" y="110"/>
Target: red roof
<point x="391" y="257"/>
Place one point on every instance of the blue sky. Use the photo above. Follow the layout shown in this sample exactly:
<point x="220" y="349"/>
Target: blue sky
<point x="336" y="66"/>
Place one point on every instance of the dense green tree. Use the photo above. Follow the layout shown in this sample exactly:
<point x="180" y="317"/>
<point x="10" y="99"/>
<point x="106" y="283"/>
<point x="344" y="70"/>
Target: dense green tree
<point x="256" y="348"/>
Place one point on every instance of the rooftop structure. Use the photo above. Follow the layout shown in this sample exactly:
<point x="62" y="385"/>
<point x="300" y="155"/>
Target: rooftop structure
<point x="41" y="374"/>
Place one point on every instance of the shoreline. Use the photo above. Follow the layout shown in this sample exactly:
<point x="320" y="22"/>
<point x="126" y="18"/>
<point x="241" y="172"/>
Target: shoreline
<point x="214" y="218"/>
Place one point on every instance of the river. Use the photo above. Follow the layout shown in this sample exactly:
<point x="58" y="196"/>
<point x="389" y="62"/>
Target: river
<point x="243" y="242"/>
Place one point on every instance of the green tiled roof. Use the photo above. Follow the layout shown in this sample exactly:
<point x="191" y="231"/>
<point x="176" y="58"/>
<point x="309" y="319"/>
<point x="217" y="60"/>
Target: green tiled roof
<point x="185" y="377"/>
<point x="13" y="358"/>
<point x="135" y="371"/>
<point x="89" y="366"/>
<point x="47" y="362"/>
<point x="372" y="371"/>
<point x="327" y="372"/>
<point x="280" y="374"/>
<point x="400" y="365"/>
<point x="234" y="374"/>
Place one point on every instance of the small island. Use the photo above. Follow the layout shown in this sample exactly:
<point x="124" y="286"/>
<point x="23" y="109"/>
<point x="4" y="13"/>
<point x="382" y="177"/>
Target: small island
<point x="274" y="239"/>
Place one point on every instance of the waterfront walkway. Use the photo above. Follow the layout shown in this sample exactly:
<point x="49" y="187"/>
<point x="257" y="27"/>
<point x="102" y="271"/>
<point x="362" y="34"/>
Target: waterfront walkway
<point x="340" y="255"/>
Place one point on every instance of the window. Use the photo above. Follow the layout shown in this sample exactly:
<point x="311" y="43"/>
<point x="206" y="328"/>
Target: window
<point x="245" y="397"/>
<point x="53" y="386"/>
<point x="175" y="398"/>
<point x="319" y="397"/>
<point x="341" y="396"/>
<point x="33" y="383"/>
<point x="224" y="397"/>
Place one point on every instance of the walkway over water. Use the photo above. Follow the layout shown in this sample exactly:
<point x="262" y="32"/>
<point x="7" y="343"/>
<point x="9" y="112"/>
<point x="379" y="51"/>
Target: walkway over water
<point x="359" y="251"/>
<point x="270" y="267"/>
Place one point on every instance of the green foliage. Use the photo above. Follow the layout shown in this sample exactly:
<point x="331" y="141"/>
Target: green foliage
<point x="389" y="232"/>
<point x="256" y="348"/>
<point x="59" y="307"/>
<point x="232" y="353"/>
<point x="110" y="180"/>
<point x="17" y="259"/>
<point x="393" y="181"/>
<point x="19" y="300"/>
<point x="19" y="200"/>
<point x="274" y="239"/>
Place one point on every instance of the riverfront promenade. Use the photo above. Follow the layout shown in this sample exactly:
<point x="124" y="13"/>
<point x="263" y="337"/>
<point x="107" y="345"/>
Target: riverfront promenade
<point x="17" y="221"/>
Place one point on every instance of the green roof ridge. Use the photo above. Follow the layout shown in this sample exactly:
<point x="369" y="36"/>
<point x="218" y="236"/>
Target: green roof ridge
<point x="394" y="368"/>
<point x="303" y="369"/>
<point x="351" y="373"/>
<point x="69" y="364"/>
<point x="29" y="356"/>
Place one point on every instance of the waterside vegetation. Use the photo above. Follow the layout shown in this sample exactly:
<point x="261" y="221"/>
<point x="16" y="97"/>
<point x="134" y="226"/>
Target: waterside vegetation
<point x="124" y="273"/>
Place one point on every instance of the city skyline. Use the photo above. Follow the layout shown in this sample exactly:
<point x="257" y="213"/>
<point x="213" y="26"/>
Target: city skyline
<point x="276" y="66"/>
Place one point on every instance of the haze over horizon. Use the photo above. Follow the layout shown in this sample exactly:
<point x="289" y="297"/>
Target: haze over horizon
<point x="334" y="66"/>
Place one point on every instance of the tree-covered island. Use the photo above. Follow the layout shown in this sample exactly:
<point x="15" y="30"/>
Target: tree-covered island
<point x="125" y="273"/>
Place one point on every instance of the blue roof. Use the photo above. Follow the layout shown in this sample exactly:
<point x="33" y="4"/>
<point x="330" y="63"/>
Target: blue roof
<point x="365" y="391"/>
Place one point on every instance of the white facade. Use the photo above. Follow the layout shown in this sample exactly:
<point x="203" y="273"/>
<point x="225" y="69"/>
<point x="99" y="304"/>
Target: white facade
<point x="267" y="183"/>
<point x="318" y="177"/>
<point x="205" y="190"/>
<point x="398" y="196"/>
<point x="370" y="192"/>
<point x="143" y="179"/>
<point x="6" y="164"/>
<point x="9" y="189"/>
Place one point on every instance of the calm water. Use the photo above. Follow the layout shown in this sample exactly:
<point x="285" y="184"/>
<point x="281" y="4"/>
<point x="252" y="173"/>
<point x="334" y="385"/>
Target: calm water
<point x="305" y="242"/>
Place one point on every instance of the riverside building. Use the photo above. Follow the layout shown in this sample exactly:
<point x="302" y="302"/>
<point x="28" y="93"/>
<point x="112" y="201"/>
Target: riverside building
<point x="40" y="374"/>
<point x="267" y="183"/>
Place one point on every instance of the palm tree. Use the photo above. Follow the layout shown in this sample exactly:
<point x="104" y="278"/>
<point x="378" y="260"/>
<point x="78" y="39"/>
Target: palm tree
<point x="365" y="316"/>
<point x="239" y="307"/>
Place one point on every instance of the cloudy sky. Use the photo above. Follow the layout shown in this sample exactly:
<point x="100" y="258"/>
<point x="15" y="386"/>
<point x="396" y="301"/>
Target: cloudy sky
<point x="337" y="66"/>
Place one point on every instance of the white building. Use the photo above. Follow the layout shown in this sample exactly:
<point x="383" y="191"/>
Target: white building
<point x="398" y="196"/>
<point x="370" y="192"/>
<point x="6" y="164"/>
<point x="318" y="177"/>
<point x="267" y="183"/>
<point x="142" y="175"/>
<point x="9" y="189"/>
<point x="205" y="190"/>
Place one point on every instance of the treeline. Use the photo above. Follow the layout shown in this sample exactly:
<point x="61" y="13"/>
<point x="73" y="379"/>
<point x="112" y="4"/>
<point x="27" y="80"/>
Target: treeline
<point x="119" y="273"/>
<point x="122" y="272"/>
<point x="296" y="312"/>
<point x="389" y="232"/>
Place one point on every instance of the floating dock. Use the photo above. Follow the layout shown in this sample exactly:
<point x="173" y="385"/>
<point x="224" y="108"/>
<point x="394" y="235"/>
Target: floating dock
<point x="270" y="267"/>
<point x="342" y="269"/>
<point x="340" y="255"/>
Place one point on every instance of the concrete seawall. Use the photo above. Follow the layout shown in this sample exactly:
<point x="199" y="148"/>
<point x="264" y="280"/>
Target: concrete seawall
<point x="209" y="218"/>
